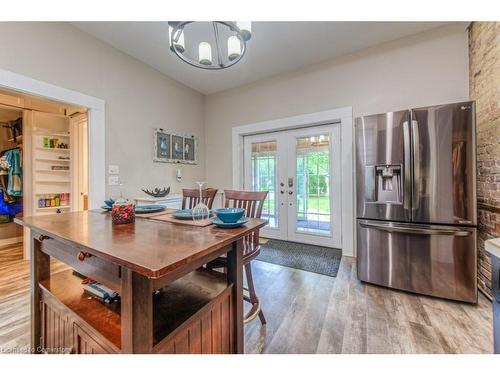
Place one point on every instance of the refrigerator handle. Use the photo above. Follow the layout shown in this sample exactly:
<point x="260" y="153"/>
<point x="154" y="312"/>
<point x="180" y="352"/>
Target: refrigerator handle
<point x="387" y="227"/>
<point x="416" y="165"/>
<point x="407" y="166"/>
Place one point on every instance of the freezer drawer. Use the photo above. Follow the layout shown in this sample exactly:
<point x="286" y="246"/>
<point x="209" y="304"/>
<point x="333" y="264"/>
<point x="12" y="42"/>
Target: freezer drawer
<point x="434" y="260"/>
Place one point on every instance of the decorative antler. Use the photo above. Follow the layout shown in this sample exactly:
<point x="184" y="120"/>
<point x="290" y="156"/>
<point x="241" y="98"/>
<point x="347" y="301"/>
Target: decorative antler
<point x="157" y="193"/>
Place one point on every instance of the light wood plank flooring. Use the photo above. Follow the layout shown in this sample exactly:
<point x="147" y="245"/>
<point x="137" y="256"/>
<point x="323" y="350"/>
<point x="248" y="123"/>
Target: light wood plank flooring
<point x="312" y="313"/>
<point x="307" y="313"/>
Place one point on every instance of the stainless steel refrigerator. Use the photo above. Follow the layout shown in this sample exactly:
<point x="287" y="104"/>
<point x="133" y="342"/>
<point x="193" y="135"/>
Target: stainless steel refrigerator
<point x="416" y="200"/>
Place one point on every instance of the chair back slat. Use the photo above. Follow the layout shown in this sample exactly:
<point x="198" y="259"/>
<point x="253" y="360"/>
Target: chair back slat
<point x="252" y="202"/>
<point x="191" y="197"/>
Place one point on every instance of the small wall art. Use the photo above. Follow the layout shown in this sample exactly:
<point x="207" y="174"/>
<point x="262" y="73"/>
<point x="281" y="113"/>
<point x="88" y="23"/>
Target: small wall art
<point x="174" y="148"/>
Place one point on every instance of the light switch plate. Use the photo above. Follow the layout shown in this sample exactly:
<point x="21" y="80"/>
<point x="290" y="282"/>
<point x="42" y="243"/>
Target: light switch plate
<point x="113" y="180"/>
<point x="113" y="169"/>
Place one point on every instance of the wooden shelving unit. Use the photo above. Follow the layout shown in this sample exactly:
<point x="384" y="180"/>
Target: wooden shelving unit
<point x="48" y="182"/>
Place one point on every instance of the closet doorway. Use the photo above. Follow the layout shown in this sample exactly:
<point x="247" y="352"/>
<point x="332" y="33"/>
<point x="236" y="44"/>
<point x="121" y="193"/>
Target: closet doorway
<point x="43" y="163"/>
<point x="11" y="191"/>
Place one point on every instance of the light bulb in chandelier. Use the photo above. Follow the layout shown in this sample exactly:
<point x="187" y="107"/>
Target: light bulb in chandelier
<point x="233" y="48"/>
<point x="179" y="43"/>
<point x="245" y="29"/>
<point x="205" y="53"/>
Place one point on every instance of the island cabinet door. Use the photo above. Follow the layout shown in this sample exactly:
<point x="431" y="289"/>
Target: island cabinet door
<point x="84" y="344"/>
<point x="56" y="333"/>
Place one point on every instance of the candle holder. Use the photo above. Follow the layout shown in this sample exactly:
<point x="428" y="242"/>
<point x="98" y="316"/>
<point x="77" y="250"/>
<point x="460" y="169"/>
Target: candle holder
<point x="123" y="212"/>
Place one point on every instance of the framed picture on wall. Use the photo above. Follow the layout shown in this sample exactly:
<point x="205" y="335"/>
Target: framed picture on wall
<point x="177" y="148"/>
<point x="190" y="150"/>
<point x="162" y="146"/>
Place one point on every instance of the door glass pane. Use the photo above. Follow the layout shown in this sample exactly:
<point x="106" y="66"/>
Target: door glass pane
<point x="264" y="177"/>
<point x="313" y="184"/>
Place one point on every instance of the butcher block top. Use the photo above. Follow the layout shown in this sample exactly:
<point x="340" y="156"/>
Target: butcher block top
<point x="148" y="247"/>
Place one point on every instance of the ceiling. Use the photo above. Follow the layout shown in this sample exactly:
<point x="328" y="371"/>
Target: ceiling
<point x="275" y="47"/>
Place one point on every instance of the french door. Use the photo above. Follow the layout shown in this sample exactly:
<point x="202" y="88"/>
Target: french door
<point x="301" y="170"/>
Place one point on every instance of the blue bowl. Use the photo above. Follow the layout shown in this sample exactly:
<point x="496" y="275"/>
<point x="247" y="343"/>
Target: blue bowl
<point x="230" y="215"/>
<point x="109" y="202"/>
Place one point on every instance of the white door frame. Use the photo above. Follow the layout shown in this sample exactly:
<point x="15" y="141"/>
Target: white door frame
<point x="286" y="167"/>
<point x="96" y="125"/>
<point x="340" y="115"/>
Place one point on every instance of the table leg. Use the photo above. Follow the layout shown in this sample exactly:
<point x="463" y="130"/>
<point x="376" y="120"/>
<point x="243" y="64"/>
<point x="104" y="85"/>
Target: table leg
<point x="40" y="270"/>
<point x="235" y="276"/>
<point x="136" y="313"/>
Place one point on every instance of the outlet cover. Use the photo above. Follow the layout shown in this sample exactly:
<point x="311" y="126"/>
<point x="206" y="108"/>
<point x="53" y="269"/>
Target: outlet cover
<point x="113" y="169"/>
<point x="113" y="180"/>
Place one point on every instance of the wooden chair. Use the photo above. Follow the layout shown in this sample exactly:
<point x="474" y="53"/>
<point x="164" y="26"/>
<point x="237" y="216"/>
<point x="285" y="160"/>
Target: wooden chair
<point x="191" y="197"/>
<point x="252" y="202"/>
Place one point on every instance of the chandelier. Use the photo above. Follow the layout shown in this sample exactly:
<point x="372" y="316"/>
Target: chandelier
<point x="229" y="40"/>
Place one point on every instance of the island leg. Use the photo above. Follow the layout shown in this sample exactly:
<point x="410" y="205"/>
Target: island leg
<point x="40" y="270"/>
<point x="235" y="276"/>
<point x="136" y="313"/>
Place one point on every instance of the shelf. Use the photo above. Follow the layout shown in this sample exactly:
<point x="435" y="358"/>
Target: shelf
<point x="176" y="303"/>
<point x="52" y="149"/>
<point x="172" y="305"/>
<point x="51" y="135"/>
<point x="51" y="182"/>
<point x="52" y="171"/>
<point x="68" y="289"/>
<point x="52" y="208"/>
<point x="19" y="139"/>
<point x="52" y="160"/>
<point x="51" y="193"/>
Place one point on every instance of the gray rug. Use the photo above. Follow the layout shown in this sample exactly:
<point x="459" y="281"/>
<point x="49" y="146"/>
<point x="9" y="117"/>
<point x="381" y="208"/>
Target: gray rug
<point x="322" y="260"/>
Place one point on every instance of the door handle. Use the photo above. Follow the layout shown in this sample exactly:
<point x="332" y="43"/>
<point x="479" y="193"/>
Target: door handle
<point x="415" y="230"/>
<point x="416" y="165"/>
<point x="407" y="166"/>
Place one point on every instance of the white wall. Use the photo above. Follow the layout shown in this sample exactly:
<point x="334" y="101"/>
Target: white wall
<point x="429" y="68"/>
<point x="138" y="98"/>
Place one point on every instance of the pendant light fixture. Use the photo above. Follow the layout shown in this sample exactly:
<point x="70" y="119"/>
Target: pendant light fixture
<point x="229" y="46"/>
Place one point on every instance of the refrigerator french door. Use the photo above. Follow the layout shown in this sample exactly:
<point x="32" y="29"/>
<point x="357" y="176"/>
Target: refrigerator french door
<point x="416" y="200"/>
<point x="301" y="170"/>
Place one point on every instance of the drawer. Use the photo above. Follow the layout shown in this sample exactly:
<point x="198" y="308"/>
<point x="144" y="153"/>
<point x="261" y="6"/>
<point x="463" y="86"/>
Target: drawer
<point x="87" y="264"/>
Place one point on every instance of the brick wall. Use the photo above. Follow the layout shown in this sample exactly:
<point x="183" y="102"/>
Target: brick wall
<point x="484" y="88"/>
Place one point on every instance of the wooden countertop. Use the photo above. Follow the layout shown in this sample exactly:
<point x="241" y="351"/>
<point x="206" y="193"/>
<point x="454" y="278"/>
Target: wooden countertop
<point x="150" y="248"/>
<point x="493" y="247"/>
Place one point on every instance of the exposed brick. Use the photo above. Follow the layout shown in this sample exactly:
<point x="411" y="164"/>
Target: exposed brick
<point x="484" y="88"/>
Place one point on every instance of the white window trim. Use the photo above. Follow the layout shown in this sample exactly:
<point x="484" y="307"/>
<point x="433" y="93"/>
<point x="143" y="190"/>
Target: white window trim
<point x="339" y="115"/>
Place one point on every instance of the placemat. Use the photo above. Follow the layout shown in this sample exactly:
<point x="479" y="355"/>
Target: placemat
<point x="167" y="216"/>
<point x="164" y="212"/>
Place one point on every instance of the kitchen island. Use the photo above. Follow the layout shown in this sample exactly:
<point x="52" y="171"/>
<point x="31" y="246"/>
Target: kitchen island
<point x="168" y="302"/>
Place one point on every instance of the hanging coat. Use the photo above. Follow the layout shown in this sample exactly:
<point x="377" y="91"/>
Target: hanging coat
<point x="14" y="185"/>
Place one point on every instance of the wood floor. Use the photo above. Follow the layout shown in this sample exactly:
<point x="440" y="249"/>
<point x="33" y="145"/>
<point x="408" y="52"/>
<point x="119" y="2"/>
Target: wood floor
<point x="312" y="313"/>
<point x="306" y="313"/>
